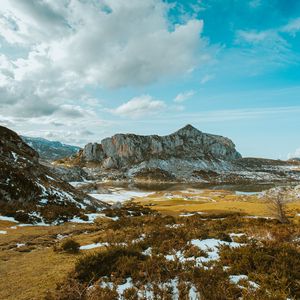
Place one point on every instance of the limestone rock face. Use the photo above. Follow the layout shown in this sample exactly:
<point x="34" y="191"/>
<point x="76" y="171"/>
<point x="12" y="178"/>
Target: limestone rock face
<point x="187" y="155"/>
<point x="93" y="152"/>
<point x="125" y="150"/>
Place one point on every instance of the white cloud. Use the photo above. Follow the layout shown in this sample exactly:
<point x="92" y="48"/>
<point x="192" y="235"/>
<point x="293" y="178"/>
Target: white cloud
<point x="181" y="97"/>
<point x="253" y="36"/>
<point x="131" y="45"/>
<point x="28" y="22"/>
<point x="207" y="78"/>
<point x="63" y="48"/>
<point x="262" y="50"/>
<point x="139" y="106"/>
<point x="292" y="27"/>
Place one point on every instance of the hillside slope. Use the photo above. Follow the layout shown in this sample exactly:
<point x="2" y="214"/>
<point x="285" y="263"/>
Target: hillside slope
<point x="29" y="191"/>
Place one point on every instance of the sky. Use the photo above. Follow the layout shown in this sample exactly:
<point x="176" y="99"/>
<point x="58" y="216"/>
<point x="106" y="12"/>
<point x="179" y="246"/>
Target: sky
<point x="81" y="70"/>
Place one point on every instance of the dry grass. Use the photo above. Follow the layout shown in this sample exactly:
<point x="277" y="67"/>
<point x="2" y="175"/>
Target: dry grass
<point x="209" y="201"/>
<point x="29" y="275"/>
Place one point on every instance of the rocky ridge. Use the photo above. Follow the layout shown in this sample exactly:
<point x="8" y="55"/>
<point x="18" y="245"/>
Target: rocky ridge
<point x="30" y="192"/>
<point x="125" y="150"/>
<point x="188" y="155"/>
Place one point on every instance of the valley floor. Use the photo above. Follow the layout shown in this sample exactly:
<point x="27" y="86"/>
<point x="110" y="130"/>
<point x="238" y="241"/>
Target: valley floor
<point x="171" y="245"/>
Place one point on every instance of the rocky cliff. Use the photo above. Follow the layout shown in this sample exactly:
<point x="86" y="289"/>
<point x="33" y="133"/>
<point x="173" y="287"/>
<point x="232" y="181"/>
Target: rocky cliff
<point x="29" y="191"/>
<point x="188" y="155"/>
<point x="126" y="150"/>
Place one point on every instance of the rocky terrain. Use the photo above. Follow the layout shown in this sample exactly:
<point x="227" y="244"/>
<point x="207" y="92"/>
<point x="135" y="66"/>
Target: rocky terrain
<point x="50" y="150"/>
<point x="294" y="159"/>
<point x="188" y="155"/>
<point x="30" y="192"/>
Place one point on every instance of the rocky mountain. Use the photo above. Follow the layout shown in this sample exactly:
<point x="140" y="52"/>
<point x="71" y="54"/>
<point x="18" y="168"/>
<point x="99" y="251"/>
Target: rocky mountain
<point x="188" y="155"/>
<point x="30" y="192"/>
<point x="50" y="150"/>
<point x="125" y="150"/>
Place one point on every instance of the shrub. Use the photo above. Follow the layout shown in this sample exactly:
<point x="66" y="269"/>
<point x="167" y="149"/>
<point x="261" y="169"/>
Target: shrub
<point x="70" y="246"/>
<point x="275" y="265"/>
<point x="224" y="237"/>
<point x="70" y="289"/>
<point x="112" y="260"/>
<point x="213" y="284"/>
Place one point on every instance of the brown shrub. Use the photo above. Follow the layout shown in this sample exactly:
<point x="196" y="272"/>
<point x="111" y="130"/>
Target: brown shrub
<point x="70" y="246"/>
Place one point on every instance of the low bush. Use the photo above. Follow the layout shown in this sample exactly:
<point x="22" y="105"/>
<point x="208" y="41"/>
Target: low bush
<point x="275" y="266"/>
<point x="70" y="246"/>
<point x="117" y="260"/>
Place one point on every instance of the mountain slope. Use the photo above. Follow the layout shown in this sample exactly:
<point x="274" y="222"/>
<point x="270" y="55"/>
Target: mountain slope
<point x="50" y="150"/>
<point x="29" y="191"/>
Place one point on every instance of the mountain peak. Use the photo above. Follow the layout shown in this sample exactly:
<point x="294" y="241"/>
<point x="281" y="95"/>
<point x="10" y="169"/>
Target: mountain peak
<point x="187" y="129"/>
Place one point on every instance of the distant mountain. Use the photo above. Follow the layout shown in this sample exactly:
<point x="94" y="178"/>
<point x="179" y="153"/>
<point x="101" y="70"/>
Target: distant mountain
<point x="50" y="150"/>
<point x="31" y="192"/>
<point x="295" y="159"/>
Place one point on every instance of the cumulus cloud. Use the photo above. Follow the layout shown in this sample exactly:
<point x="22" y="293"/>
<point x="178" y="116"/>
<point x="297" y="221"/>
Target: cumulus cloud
<point x="139" y="106"/>
<point x="181" y="97"/>
<point x="62" y="48"/>
<point x="132" y="45"/>
<point x="28" y="22"/>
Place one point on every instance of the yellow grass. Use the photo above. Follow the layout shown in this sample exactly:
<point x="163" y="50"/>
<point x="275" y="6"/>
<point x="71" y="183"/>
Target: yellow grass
<point x="210" y="201"/>
<point x="29" y="275"/>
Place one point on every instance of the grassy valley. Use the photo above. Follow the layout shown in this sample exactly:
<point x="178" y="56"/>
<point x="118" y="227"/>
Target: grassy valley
<point x="158" y="249"/>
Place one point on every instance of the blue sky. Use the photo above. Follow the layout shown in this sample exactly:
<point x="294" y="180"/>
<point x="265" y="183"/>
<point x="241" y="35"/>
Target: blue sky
<point x="78" y="71"/>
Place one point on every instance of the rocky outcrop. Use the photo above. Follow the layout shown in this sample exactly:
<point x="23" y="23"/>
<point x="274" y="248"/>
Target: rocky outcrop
<point x="93" y="152"/>
<point x="29" y="191"/>
<point x="188" y="155"/>
<point x="126" y="150"/>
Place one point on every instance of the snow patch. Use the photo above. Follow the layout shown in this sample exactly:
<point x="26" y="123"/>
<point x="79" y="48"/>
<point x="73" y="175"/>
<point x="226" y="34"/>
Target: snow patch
<point x="92" y="246"/>
<point x="10" y="219"/>
<point x="191" y="214"/>
<point x="211" y="247"/>
<point x="119" y="196"/>
<point x="235" y="279"/>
